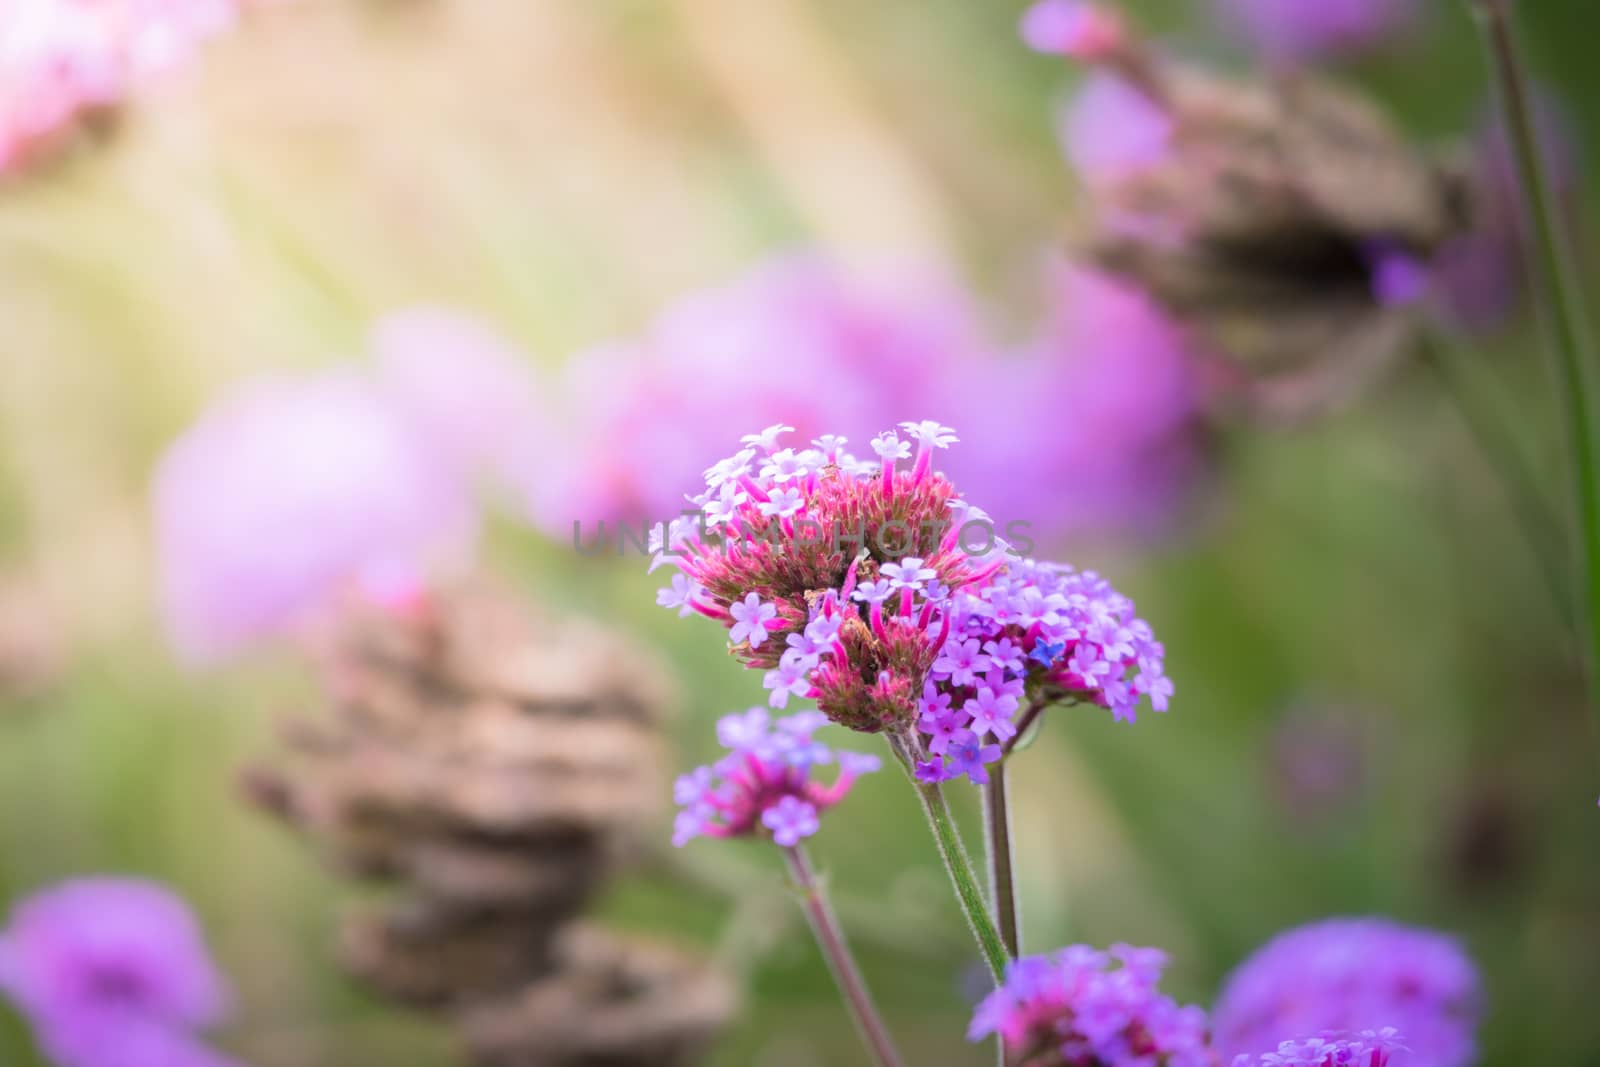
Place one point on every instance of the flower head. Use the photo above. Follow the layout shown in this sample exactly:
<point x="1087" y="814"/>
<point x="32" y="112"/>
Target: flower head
<point x="1369" y="1048"/>
<point x="1084" y="1006"/>
<point x="765" y="782"/>
<point x="888" y="617"/>
<point x="1353" y="975"/>
<point x="113" y="973"/>
<point x="1048" y="633"/>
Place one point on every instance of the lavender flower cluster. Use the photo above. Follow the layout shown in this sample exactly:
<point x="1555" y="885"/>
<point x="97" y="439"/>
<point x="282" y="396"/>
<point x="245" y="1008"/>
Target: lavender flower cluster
<point x="911" y="630"/>
<point x="1083" y="1006"/>
<point x="764" y="783"/>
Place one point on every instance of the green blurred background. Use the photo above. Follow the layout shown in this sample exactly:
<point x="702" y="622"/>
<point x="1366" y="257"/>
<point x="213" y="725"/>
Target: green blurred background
<point x="1355" y="594"/>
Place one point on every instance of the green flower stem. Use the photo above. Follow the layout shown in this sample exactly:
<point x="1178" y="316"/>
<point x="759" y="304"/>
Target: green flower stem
<point x="956" y="862"/>
<point x="830" y="938"/>
<point x="1573" y="337"/>
<point x="1002" y="879"/>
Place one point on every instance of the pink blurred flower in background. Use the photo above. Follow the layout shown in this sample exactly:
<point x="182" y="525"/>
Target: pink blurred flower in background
<point x="113" y="972"/>
<point x="293" y="492"/>
<point x="62" y="60"/>
<point x="794" y="340"/>
<point x="1076" y="28"/>
<point x="467" y="391"/>
<point x="289" y="492"/>
<point x="1110" y="128"/>
<point x="1089" y="427"/>
<point x="1095" y="426"/>
<point x="1298" y="30"/>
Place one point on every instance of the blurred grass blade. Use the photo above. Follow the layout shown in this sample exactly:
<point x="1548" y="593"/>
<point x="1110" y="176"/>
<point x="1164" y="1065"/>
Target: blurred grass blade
<point x="1569" y="321"/>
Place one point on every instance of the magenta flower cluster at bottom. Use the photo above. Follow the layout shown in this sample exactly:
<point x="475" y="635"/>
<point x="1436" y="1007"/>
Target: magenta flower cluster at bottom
<point x="1082" y="1007"/>
<point x="113" y="972"/>
<point x="1093" y="1007"/>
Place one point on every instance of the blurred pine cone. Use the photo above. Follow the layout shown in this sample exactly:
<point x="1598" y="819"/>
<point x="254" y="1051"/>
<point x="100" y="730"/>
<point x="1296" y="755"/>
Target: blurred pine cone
<point x="610" y="1001"/>
<point x="493" y="767"/>
<point x="1270" y="223"/>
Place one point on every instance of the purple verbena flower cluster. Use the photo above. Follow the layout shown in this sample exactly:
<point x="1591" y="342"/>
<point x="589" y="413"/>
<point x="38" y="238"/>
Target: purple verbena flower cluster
<point x="1370" y="1048"/>
<point x="861" y="585"/>
<point x="764" y="783"/>
<point x="1349" y="975"/>
<point x="1082" y="1007"/>
<point x="1035" y="632"/>
<point x="113" y="973"/>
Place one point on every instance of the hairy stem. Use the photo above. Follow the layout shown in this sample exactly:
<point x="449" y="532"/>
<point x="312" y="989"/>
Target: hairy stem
<point x="1571" y="331"/>
<point x="843" y="965"/>
<point x="962" y="876"/>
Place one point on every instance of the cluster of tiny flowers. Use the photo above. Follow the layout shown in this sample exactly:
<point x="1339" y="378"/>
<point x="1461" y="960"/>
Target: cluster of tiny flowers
<point x="1034" y="630"/>
<point x="1349" y="975"/>
<point x="60" y="59"/>
<point x="764" y="783"/>
<point x="1370" y="1048"/>
<point x="914" y="626"/>
<point x="1082" y="1007"/>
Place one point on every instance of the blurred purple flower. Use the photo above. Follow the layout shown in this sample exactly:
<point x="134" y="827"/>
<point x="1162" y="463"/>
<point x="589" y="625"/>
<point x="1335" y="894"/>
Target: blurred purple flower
<point x="1110" y="128"/>
<point x="1091" y="1007"/>
<point x="1298" y="30"/>
<point x="1090" y="427"/>
<point x="113" y="973"/>
<point x="795" y="340"/>
<point x="1352" y="975"/>
<point x="1399" y="278"/>
<point x="289" y="492"/>
<point x="468" y="392"/>
<point x="1078" y="28"/>
<point x="1096" y="425"/>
